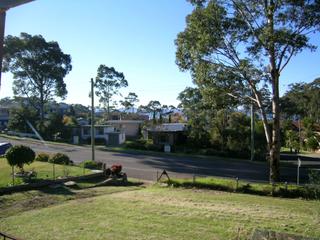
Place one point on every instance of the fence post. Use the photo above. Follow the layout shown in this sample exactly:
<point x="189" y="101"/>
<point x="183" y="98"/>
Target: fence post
<point x="237" y="183"/>
<point x="193" y="179"/>
<point x="273" y="188"/>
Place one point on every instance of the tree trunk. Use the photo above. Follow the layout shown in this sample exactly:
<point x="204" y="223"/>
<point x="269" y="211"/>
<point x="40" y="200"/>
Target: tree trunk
<point x="274" y="150"/>
<point x="41" y="105"/>
<point x="108" y="109"/>
<point x="275" y="145"/>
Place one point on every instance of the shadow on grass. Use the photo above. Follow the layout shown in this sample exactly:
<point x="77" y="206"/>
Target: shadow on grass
<point x="98" y="182"/>
<point x="57" y="190"/>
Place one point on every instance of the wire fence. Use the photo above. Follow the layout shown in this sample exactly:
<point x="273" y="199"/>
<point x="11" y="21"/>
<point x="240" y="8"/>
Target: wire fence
<point x="5" y="236"/>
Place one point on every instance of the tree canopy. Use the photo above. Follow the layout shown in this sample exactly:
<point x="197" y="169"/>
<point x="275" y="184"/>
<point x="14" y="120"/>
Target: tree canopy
<point x="108" y="83"/>
<point x="38" y="68"/>
<point x="241" y="47"/>
<point x="130" y="101"/>
<point x="299" y="96"/>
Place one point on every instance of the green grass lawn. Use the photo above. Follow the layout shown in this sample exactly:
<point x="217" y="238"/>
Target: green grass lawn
<point x="152" y="212"/>
<point x="43" y="169"/>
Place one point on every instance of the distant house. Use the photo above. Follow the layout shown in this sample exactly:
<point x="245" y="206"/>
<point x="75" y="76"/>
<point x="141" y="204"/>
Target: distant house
<point x="60" y="108"/>
<point x="168" y="133"/>
<point x="131" y="128"/>
<point x="4" y="117"/>
<point x="109" y="134"/>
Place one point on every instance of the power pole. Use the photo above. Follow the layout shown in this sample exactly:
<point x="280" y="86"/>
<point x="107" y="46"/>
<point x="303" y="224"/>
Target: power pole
<point x="92" y="120"/>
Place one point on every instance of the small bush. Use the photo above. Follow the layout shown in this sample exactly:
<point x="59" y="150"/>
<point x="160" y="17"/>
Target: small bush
<point x="310" y="191"/>
<point x="60" y="158"/>
<point x="42" y="157"/>
<point x="20" y="155"/>
<point x="91" y="164"/>
<point x="139" y="144"/>
<point x="312" y="143"/>
<point x="142" y="144"/>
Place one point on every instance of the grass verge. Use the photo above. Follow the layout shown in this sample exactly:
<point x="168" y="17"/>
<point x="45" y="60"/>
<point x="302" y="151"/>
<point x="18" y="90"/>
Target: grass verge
<point x="44" y="171"/>
<point x="263" y="189"/>
<point x="154" y="213"/>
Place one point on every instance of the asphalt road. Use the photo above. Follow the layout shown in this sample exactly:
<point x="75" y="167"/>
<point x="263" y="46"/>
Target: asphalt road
<point x="146" y="166"/>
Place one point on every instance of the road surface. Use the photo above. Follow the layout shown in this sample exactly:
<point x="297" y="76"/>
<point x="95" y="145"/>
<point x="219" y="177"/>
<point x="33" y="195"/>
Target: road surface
<point x="146" y="166"/>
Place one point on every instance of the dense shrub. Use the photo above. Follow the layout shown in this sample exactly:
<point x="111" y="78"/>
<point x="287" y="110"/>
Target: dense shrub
<point x="138" y="144"/>
<point x="60" y="158"/>
<point x="91" y="164"/>
<point x="312" y="143"/>
<point x="20" y="155"/>
<point x="42" y="157"/>
<point x="142" y="144"/>
<point x="310" y="191"/>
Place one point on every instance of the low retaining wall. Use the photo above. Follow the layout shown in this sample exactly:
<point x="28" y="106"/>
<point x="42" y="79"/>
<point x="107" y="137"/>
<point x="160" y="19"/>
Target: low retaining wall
<point x="44" y="183"/>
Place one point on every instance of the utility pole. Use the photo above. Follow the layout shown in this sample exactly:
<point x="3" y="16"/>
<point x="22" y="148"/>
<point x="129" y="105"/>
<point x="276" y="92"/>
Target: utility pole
<point x="92" y="120"/>
<point x="252" y="132"/>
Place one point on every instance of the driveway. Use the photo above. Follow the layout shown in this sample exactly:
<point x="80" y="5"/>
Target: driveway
<point x="146" y="166"/>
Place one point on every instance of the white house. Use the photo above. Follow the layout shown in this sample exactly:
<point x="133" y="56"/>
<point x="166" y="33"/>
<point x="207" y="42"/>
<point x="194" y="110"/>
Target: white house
<point x="131" y="128"/>
<point x="110" y="134"/>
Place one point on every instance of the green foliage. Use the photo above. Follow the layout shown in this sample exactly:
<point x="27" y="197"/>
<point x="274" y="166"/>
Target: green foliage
<point x="129" y="101"/>
<point x="239" y="48"/>
<point x="18" y="116"/>
<point x="43" y="169"/>
<point x="38" y="68"/>
<point x="196" y="111"/>
<point x="312" y="143"/>
<point x="53" y="127"/>
<point x="142" y="144"/>
<point x="91" y="164"/>
<point x="162" y="212"/>
<point x="19" y="155"/>
<point x="42" y="157"/>
<point x="60" y="158"/>
<point x="231" y="185"/>
<point x="299" y="96"/>
<point x="153" y="108"/>
<point x="314" y="177"/>
<point x="108" y="83"/>
<point x="292" y="140"/>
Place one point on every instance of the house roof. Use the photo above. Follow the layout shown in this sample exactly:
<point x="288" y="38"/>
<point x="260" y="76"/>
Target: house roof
<point x="169" y="127"/>
<point x="296" y="124"/>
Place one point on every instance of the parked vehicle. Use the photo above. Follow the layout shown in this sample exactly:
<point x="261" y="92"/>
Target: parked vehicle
<point x="4" y="147"/>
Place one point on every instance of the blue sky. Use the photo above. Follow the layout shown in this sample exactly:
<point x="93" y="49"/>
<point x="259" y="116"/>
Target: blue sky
<point x="134" y="36"/>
